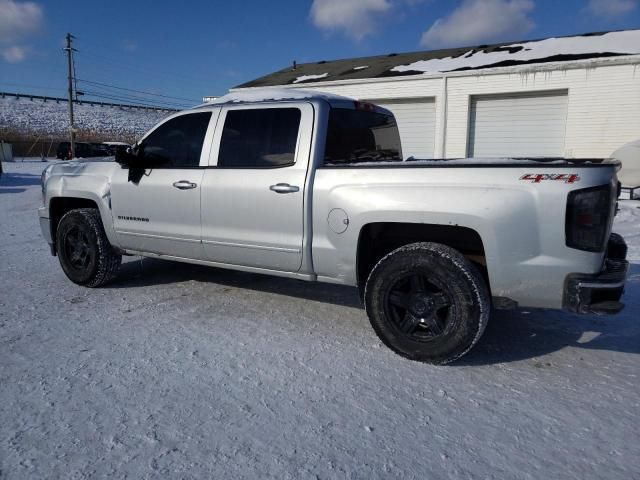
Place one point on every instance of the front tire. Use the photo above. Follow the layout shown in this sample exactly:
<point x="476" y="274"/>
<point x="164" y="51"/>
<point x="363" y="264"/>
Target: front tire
<point x="427" y="302"/>
<point x="85" y="254"/>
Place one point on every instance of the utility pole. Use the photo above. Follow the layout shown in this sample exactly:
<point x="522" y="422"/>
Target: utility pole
<point x="70" y="50"/>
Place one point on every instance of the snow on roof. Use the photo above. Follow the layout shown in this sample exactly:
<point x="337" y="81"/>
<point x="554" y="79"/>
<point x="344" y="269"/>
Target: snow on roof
<point x="627" y="42"/>
<point x="560" y="49"/>
<point x="271" y="94"/>
<point x="306" y="78"/>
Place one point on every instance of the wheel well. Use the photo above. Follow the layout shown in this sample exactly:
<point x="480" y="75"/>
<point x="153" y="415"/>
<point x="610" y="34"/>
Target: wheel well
<point x="378" y="239"/>
<point x="61" y="205"/>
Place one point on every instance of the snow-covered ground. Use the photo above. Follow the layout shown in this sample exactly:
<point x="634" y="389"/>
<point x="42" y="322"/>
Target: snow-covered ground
<point x="180" y="371"/>
<point x="51" y="119"/>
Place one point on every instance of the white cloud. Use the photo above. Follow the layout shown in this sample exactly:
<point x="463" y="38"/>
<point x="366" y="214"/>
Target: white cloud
<point x="14" y="54"/>
<point x="610" y="8"/>
<point x="481" y="21"/>
<point x="18" y="20"/>
<point x="354" y="18"/>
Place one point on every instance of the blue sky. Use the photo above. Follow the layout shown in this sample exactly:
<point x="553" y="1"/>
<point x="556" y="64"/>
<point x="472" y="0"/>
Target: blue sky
<point x="193" y="48"/>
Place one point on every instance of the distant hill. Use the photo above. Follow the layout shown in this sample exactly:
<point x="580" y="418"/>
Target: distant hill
<point x="27" y="117"/>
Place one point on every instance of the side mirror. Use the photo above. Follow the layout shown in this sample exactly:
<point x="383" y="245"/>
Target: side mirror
<point x="137" y="157"/>
<point x="127" y="157"/>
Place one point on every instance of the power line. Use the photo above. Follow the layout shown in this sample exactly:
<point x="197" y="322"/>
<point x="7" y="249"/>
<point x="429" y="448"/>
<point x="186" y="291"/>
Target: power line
<point x="91" y="82"/>
<point x="127" y="66"/>
<point x="132" y="99"/>
<point x="101" y="91"/>
<point x="112" y="96"/>
<point x="143" y="69"/>
<point x="133" y="105"/>
<point x="73" y="89"/>
<point x="45" y="99"/>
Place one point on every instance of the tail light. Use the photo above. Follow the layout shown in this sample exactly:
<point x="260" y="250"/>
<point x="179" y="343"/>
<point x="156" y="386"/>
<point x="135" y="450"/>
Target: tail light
<point x="589" y="212"/>
<point x="365" y="106"/>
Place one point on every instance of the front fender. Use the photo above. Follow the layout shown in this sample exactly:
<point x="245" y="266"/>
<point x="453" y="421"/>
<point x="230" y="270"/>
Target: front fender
<point x="95" y="188"/>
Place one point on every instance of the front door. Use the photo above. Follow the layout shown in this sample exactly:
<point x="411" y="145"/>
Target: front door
<point x="253" y="200"/>
<point x="160" y="211"/>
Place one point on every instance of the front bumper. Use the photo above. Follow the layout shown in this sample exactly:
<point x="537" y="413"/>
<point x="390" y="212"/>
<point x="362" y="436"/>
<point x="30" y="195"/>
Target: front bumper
<point x="45" y="227"/>
<point x="600" y="293"/>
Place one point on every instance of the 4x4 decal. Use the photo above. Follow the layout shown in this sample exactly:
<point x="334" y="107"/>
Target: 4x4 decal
<point x="539" y="177"/>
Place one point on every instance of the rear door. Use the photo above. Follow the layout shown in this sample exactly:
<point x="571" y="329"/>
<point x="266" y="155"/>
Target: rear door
<point x="160" y="213"/>
<point x="253" y="196"/>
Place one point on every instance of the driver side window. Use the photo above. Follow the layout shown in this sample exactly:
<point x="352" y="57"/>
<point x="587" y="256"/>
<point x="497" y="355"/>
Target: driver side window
<point x="177" y="143"/>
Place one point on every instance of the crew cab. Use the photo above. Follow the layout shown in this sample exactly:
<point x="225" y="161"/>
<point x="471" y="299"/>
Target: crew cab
<point x="314" y="186"/>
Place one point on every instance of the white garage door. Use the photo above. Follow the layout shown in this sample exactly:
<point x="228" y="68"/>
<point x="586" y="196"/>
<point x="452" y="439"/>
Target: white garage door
<point x="523" y="125"/>
<point x="417" y="124"/>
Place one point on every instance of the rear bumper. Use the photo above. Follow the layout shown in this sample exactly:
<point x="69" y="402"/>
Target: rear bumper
<point x="600" y="293"/>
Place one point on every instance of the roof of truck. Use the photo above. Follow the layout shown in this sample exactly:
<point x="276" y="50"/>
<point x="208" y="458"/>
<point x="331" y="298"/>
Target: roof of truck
<point x="258" y="95"/>
<point x="271" y="94"/>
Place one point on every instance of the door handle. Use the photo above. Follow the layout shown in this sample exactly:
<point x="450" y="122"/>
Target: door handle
<point x="284" y="188"/>
<point x="184" y="185"/>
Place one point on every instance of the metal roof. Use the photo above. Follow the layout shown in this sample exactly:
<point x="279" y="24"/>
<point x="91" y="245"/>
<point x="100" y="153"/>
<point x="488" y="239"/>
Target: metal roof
<point x="590" y="45"/>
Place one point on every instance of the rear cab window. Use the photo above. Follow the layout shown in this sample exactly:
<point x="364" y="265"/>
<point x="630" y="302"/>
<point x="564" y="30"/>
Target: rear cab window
<point x="361" y="136"/>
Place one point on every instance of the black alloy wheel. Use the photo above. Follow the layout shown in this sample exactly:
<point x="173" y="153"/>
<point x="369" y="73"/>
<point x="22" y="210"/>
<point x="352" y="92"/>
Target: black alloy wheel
<point x="79" y="251"/>
<point x="418" y="306"/>
<point x="84" y="251"/>
<point x="427" y="302"/>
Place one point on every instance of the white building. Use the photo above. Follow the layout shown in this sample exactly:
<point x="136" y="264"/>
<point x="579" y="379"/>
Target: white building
<point x="568" y="97"/>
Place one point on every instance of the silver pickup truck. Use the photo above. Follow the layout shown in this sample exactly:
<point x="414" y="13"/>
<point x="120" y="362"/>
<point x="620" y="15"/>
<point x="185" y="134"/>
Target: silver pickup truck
<point x="314" y="187"/>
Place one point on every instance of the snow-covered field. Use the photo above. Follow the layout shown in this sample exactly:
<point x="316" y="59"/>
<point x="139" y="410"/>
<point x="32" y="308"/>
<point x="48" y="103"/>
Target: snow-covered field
<point x="180" y="371"/>
<point x="51" y="119"/>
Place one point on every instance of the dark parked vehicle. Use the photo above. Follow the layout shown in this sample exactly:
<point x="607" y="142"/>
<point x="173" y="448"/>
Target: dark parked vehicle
<point x="114" y="147"/>
<point x="83" y="150"/>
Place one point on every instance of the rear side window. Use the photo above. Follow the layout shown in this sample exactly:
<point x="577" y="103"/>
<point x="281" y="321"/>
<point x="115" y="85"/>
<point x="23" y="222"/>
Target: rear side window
<point x="259" y="138"/>
<point x="178" y="142"/>
<point x="357" y="136"/>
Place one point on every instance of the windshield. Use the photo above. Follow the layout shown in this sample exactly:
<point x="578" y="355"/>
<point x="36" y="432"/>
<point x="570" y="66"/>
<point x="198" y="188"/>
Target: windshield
<point x="356" y="136"/>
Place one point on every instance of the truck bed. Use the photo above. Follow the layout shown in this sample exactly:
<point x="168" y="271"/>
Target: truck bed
<point x="485" y="162"/>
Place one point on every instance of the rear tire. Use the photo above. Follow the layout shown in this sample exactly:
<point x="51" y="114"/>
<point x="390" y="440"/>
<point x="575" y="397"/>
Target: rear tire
<point x="85" y="254"/>
<point x="427" y="302"/>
